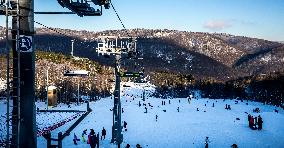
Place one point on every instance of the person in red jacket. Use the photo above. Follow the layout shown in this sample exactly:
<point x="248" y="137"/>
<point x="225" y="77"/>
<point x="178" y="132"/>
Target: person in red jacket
<point x="251" y="122"/>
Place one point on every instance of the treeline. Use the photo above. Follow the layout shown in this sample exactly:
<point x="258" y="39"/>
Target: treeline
<point x="96" y="84"/>
<point x="268" y="89"/>
<point x="171" y="84"/>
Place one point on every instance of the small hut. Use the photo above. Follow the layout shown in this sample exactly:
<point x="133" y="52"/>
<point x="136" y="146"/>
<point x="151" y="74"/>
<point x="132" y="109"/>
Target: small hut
<point x="52" y="96"/>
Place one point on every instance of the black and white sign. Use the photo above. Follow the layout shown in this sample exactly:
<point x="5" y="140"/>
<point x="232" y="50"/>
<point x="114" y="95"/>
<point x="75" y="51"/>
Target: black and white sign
<point x="25" y="43"/>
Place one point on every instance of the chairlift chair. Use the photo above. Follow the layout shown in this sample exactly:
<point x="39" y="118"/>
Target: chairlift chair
<point x="81" y="8"/>
<point x="106" y="3"/>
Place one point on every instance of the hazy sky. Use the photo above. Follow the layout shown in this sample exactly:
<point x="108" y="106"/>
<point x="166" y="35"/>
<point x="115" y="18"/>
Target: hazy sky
<point x="253" y="18"/>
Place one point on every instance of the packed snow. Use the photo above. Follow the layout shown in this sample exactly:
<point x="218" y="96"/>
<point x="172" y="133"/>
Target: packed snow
<point x="173" y="129"/>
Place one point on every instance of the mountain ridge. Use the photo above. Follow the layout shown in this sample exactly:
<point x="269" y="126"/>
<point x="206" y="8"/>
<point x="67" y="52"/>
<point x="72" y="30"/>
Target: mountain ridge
<point x="218" y="55"/>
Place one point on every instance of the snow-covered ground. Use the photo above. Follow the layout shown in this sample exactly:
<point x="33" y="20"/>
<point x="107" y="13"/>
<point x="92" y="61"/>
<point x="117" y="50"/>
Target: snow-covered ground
<point x="173" y="129"/>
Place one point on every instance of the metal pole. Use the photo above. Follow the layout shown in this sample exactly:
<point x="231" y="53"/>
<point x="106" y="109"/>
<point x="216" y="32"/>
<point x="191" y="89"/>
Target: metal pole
<point x="116" y="129"/>
<point x="72" y="49"/>
<point x="8" y="78"/>
<point x="27" y="130"/>
<point x="47" y="89"/>
<point x="78" y="92"/>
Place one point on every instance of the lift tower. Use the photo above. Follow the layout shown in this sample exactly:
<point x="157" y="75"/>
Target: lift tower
<point x="21" y="128"/>
<point x="122" y="48"/>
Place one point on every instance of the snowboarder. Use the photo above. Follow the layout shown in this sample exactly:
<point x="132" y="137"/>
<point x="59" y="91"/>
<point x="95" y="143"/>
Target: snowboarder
<point x="207" y="142"/>
<point x="75" y="139"/>
<point x="103" y="133"/>
<point x="138" y="146"/>
<point x="259" y="123"/>
<point x="92" y="139"/>
<point x="124" y="125"/>
<point x="83" y="135"/>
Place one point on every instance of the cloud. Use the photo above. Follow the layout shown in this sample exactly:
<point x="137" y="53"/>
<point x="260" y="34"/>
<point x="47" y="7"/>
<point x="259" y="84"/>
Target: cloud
<point x="217" y="24"/>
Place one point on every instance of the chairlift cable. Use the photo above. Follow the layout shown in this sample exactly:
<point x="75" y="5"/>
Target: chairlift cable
<point x="120" y="20"/>
<point x="52" y="29"/>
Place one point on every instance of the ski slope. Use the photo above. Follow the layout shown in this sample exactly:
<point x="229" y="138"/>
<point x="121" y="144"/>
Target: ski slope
<point x="187" y="128"/>
<point x="173" y="129"/>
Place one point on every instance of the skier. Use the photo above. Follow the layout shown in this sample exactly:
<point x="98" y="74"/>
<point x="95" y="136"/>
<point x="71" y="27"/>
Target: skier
<point x="259" y="123"/>
<point x="255" y="122"/>
<point x="249" y="116"/>
<point x="83" y="135"/>
<point x="229" y="107"/>
<point x="138" y="146"/>
<point x="75" y="139"/>
<point x="92" y="139"/>
<point x="124" y="125"/>
<point x="145" y="110"/>
<point x="189" y="99"/>
<point x="127" y="146"/>
<point x="103" y="133"/>
<point x="213" y="105"/>
<point x="226" y="106"/>
<point x="178" y="109"/>
<point x="207" y="142"/>
<point x="156" y="118"/>
<point x="122" y="110"/>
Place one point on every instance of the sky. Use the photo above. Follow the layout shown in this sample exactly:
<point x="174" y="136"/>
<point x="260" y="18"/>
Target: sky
<point x="253" y="18"/>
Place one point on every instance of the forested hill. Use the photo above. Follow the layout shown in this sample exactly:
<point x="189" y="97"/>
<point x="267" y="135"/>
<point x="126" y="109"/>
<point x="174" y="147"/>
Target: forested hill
<point x="203" y="55"/>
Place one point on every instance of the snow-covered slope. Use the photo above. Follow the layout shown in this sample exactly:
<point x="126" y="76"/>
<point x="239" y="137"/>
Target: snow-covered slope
<point x="173" y="129"/>
<point x="187" y="128"/>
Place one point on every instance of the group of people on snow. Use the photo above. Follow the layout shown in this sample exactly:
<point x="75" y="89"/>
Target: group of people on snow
<point x="255" y="122"/>
<point x="92" y="138"/>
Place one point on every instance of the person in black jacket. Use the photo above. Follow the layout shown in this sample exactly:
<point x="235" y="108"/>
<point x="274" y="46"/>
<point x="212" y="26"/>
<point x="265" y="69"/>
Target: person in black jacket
<point x="93" y="139"/>
<point x="259" y="123"/>
<point x="104" y="133"/>
<point x="124" y="125"/>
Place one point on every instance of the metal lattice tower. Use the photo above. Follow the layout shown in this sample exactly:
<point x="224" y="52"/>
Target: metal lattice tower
<point x="117" y="128"/>
<point x="13" y="69"/>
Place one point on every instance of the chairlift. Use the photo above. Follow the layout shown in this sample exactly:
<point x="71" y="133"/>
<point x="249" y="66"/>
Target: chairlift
<point x="106" y="3"/>
<point x="81" y="8"/>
